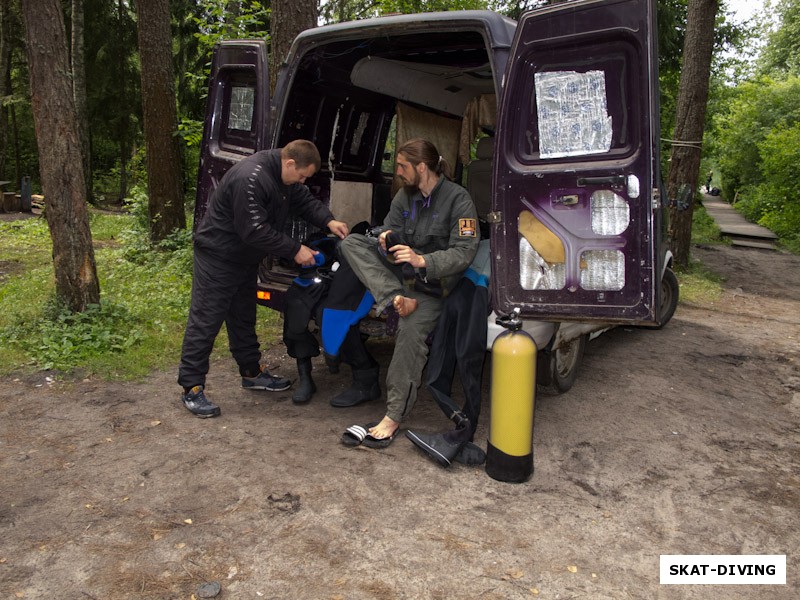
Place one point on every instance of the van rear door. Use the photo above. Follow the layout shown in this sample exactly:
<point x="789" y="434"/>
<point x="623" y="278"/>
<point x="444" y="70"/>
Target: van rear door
<point x="237" y="113"/>
<point x="576" y="165"/>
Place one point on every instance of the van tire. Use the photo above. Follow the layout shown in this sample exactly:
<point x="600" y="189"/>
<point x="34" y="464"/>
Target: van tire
<point x="670" y="291"/>
<point x="557" y="370"/>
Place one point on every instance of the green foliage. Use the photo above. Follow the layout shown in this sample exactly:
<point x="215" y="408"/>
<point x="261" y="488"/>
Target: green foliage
<point x="337" y="11"/>
<point x="759" y="107"/>
<point x="139" y="323"/>
<point x="136" y="327"/>
<point x="704" y="229"/>
<point x="775" y="203"/>
<point x="61" y="339"/>
<point x="755" y="141"/>
<point x="215" y="21"/>
<point x="191" y="131"/>
<point x="781" y="54"/>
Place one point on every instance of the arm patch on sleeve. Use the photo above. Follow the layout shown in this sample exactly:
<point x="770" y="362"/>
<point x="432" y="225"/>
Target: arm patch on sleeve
<point x="467" y="228"/>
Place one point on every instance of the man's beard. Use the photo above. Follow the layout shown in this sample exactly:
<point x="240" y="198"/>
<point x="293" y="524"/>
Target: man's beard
<point x="411" y="187"/>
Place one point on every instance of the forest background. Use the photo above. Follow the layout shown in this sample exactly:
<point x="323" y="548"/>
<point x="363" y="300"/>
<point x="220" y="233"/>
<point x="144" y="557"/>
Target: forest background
<point x="751" y="144"/>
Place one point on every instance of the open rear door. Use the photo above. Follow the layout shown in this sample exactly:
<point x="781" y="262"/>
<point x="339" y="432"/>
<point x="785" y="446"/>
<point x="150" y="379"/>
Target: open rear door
<point x="237" y="113"/>
<point x="575" y="165"/>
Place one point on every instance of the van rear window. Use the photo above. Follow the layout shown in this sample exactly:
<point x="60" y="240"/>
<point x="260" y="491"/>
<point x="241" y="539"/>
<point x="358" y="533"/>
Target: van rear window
<point x="578" y="107"/>
<point x="237" y="128"/>
<point x="243" y="100"/>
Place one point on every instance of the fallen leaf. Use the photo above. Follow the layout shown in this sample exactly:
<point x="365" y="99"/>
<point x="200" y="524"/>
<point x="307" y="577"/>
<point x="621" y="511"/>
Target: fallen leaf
<point x="515" y="574"/>
<point x="340" y="581"/>
<point x="187" y="521"/>
<point x="180" y="545"/>
<point x="88" y="505"/>
<point x="572" y="569"/>
<point x="534" y="591"/>
<point x="109" y="440"/>
<point x="156" y="536"/>
<point x="19" y="594"/>
<point x="594" y="575"/>
<point x="2" y="561"/>
<point x="154" y="423"/>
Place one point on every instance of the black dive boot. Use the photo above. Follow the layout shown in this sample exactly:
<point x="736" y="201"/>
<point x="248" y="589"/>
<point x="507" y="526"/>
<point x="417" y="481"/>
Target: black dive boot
<point x="305" y="385"/>
<point x="365" y="387"/>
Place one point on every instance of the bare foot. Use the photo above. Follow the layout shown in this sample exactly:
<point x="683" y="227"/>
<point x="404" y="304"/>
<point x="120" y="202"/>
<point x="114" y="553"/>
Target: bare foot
<point x="404" y="306"/>
<point x="384" y="429"/>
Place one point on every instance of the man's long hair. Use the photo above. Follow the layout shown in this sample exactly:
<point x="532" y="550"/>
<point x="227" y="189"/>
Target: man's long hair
<point x="419" y="150"/>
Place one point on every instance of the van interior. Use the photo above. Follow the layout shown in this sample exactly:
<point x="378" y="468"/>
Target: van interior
<point x="358" y="99"/>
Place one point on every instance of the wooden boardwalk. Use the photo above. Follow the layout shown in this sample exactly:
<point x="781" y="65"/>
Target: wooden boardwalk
<point x="734" y="226"/>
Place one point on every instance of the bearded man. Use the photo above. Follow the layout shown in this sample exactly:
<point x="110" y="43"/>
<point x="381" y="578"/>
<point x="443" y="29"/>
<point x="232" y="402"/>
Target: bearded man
<point x="427" y="241"/>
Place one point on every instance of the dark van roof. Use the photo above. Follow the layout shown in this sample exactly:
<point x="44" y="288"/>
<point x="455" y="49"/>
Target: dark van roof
<point x="500" y="29"/>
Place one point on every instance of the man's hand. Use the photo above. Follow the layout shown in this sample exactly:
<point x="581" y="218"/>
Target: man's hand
<point x="382" y="238"/>
<point x="404" y="254"/>
<point x="305" y="256"/>
<point x="339" y="228"/>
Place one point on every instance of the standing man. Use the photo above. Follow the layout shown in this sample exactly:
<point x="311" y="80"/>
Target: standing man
<point x="428" y="239"/>
<point x="244" y="222"/>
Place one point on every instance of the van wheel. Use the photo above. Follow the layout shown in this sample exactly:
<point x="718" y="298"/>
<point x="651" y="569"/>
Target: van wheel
<point x="558" y="369"/>
<point x="670" y="290"/>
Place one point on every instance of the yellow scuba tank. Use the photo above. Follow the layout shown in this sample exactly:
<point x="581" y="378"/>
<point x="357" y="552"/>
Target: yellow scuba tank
<point x="509" y="455"/>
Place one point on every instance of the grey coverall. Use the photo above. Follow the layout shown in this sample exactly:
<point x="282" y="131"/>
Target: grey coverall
<point x="444" y="229"/>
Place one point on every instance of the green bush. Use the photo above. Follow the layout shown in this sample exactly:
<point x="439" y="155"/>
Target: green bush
<point x="704" y="229"/>
<point x="138" y="325"/>
<point x="61" y="339"/>
<point x="759" y="108"/>
<point x="779" y="195"/>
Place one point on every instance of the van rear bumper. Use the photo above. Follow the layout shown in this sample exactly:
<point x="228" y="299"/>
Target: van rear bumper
<point x="272" y="295"/>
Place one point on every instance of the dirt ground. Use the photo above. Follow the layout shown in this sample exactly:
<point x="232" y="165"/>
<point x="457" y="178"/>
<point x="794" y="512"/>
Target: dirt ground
<point x="680" y="441"/>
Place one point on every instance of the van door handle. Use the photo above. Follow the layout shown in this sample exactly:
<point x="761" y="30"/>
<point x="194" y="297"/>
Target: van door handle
<point x="608" y="180"/>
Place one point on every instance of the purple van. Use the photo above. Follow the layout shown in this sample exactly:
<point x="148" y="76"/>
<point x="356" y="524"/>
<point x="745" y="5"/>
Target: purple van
<point x="551" y="122"/>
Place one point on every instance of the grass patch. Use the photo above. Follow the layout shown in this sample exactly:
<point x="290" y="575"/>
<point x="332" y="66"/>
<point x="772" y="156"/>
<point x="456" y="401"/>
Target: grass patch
<point x="139" y="324"/>
<point x="704" y="229"/>
<point x="699" y="285"/>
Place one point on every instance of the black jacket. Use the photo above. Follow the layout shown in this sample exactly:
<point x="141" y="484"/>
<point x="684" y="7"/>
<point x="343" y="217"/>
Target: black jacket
<point x="247" y="212"/>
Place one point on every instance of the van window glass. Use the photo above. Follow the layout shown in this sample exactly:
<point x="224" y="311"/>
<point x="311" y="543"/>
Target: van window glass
<point x="573" y="118"/>
<point x="241" y="108"/>
<point x="578" y="107"/>
<point x="358" y="133"/>
<point x="237" y="128"/>
<point x="387" y="165"/>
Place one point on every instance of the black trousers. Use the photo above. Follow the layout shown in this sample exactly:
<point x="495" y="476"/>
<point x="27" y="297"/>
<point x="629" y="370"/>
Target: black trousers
<point x="460" y="340"/>
<point x="222" y="292"/>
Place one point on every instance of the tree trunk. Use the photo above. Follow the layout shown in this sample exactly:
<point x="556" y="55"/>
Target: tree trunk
<point x="690" y="118"/>
<point x="288" y="18"/>
<point x="124" y="118"/>
<point x="59" y="157"/>
<point x="164" y="164"/>
<point x="5" y="78"/>
<point x="79" y="92"/>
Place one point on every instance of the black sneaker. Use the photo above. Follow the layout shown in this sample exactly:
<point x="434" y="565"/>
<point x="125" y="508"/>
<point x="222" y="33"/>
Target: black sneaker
<point x="197" y="403"/>
<point x="265" y="381"/>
